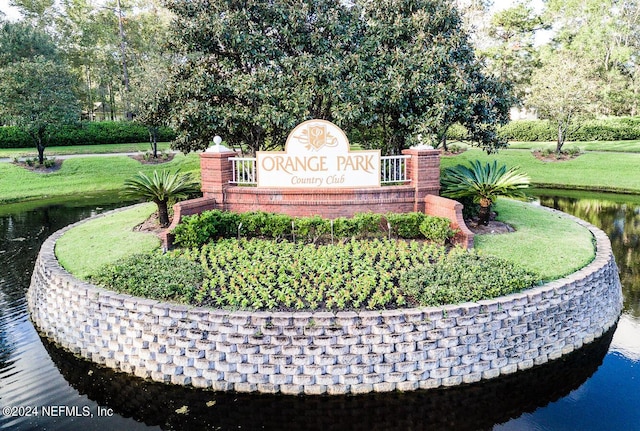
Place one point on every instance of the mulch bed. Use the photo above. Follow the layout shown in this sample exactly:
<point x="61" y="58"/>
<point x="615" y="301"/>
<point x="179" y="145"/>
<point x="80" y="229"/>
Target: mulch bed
<point x="147" y="160"/>
<point x="40" y="169"/>
<point x="553" y="157"/>
<point x="494" y="227"/>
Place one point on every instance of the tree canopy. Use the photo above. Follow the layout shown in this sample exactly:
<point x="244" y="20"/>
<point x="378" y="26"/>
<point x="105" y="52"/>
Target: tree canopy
<point x="391" y="73"/>
<point x="36" y="90"/>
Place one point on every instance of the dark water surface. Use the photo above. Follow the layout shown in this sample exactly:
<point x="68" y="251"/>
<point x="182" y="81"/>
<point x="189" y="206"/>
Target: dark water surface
<point x="596" y="388"/>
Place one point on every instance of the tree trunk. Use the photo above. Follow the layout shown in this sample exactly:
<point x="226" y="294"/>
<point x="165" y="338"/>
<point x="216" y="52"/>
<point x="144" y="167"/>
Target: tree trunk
<point x="560" y="139"/>
<point x="485" y="211"/>
<point x="153" y="139"/>
<point x="163" y="213"/>
<point x="40" y="147"/>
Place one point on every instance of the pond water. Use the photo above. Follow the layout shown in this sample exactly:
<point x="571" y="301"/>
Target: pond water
<point x="595" y="388"/>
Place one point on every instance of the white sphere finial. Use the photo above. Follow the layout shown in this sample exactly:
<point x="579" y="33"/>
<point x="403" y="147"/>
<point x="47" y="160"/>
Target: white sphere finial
<point x="217" y="140"/>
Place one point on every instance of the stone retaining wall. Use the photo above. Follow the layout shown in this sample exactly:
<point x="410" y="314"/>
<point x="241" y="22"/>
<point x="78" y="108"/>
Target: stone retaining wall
<point x="323" y="352"/>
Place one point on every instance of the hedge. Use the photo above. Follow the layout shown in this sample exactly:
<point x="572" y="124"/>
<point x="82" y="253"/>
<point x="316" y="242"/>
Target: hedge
<point x="86" y="133"/>
<point x="198" y="230"/>
<point x="608" y="129"/>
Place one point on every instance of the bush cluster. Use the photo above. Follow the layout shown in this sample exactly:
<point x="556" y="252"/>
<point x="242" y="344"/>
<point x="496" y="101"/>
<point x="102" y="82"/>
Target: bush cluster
<point x="197" y="230"/>
<point x="255" y="274"/>
<point x="464" y="276"/>
<point x="609" y="129"/>
<point x="359" y="274"/>
<point x="85" y="133"/>
<point x="154" y="276"/>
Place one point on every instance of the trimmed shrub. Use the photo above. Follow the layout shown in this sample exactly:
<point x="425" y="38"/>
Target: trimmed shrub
<point x="86" y="133"/>
<point x="608" y="129"/>
<point x="406" y="225"/>
<point x="156" y="276"/>
<point x="14" y="137"/>
<point x="310" y="229"/>
<point x="464" y="276"/>
<point x="528" y="130"/>
<point x="436" y="229"/>
<point x="198" y="230"/>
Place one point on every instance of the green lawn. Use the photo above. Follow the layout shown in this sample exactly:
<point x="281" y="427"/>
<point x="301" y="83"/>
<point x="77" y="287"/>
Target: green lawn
<point x="618" y="146"/>
<point x="51" y="152"/>
<point x="85" y="248"/>
<point x="598" y="171"/>
<point x="544" y="242"/>
<point x="81" y="175"/>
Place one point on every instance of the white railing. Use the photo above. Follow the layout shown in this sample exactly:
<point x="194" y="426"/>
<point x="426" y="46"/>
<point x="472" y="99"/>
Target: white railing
<point x="244" y="170"/>
<point x="393" y="169"/>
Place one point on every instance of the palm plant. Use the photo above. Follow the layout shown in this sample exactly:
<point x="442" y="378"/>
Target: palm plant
<point x="159" y="188"/>
<point x="484" y="183"/>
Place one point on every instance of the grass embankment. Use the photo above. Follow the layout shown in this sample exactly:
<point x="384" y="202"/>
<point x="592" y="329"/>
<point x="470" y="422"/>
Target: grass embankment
<point x="597" y="171"/>
<point x="544" y="242"/>
<point x="605" y="146"/>
<point x="86" y="248"/>
<point x="78" y="176"/>
<point x="51" y="152"/>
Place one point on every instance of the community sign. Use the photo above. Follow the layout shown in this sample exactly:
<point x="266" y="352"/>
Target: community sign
<point x="317" y="154"/>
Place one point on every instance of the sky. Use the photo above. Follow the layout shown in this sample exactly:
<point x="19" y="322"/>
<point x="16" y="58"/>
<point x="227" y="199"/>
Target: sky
<point x="11" y="12"/>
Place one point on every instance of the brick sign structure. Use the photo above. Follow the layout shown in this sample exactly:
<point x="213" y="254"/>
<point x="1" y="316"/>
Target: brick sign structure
<point x="317" y="154"/>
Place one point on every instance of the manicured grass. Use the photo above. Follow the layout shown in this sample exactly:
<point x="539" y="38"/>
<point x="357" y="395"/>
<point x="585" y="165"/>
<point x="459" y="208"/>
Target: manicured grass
<point x="50" y="152"/>
<point x="620" y="146"/>
<point x="85" y="248"/>
<point x="595" y="171"/>
<point x="81" y="175"/>
<point x="544" y="242"/>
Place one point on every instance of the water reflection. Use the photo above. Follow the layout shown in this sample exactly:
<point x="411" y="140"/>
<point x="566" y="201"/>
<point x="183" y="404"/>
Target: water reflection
<point x="552" y="397"/>
<point x="621" y="222"/>
<point x="472" y="407"/>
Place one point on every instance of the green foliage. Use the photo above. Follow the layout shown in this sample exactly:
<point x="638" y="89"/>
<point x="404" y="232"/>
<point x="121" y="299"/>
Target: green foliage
<point x="464" y="276"/>
<point x="367" y="224"/>
<point x="155" y="276"/>
<point x="390" y="74"/>
<point x="529" y="131"/>
<point x="406" y="225"/>
<point x="356" y="275"/>
<point x="373" y="274"/>
<point x="484" y="183"/>
<point x="159" y="188"/>
<point x="436" y="229"/>
<point x="198" y="230"/>
<point x="606" y="129"/>
<point x="310" y="229"/>
<point x="562" y="91"/>
<point x="85" y="133"/>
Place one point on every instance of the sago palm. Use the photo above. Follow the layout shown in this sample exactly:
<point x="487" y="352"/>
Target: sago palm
<point x="484" y="183"/>
<point x="159" y="188"/>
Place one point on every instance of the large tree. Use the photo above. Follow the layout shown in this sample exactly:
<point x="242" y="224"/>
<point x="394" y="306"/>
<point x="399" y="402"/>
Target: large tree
<point x="252" y="70"/>
<point x="422" y="76"/>
<point x="563" y="91"/>
<point x="513" y="56"/>
<point x="36" y="89"/>
<point x="604" y="33"/>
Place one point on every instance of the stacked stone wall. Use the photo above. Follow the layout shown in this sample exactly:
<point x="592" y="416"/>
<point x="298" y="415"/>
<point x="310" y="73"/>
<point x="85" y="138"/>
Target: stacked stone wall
<point x="325" y="352"/>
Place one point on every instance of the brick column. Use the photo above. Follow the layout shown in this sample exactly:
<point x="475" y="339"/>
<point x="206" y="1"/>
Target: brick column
<point x="424" y="171"/>
<point x="216" y="172"/>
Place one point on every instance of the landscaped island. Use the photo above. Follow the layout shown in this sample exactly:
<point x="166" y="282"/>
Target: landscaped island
<point x="268" y="262"/>
<point x="332" y="352"/>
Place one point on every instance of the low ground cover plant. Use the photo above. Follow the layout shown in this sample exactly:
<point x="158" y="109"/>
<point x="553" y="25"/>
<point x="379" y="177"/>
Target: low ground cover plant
<point x="373" y="274"/>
